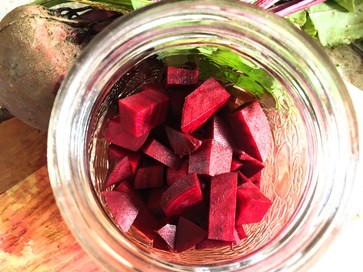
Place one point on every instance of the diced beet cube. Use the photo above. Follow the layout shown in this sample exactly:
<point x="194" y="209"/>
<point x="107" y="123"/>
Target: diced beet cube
<point x="117" y="135"/>
<point x="219" y="131"/>
<point x="176" y="100"/>
<point x="151" y="176"/>
<point x="143" y="111"/>
<point x="201" y="104"/>
<point x="122" y="207"/>
<point x="252" y="205"/>
<point x="182" y="144"/>
<point x="127" y="188"/>
<point x="208" y="243"/>
<point x="251" y="130"/>
<point x="222" y="207"/>
<point x="147" y="222"/>
<point x="120" y="171"/>
<point x="238" y="234"/>
<point x="159" y="243"/>
<point x="250" y="166"/>
<point x="255" y="179"/>
<point x="212" y="158"/>
<point x="188" y="235"/>
<point x="198" y="214"/>
<point x="156" y="86"/>
<point x="153" y="200"/>
<point x="181" y="76"/>
<point x="168" y="234"/>
<point x="172" y="175"/>
<point x="236" y="165"/>
<point x="115" y="153"/>
<point x="161" y="153"/>
<point x="181" y="195"/>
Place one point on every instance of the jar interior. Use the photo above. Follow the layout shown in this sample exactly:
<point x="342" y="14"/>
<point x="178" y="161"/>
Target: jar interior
<point x="287" y="175"/>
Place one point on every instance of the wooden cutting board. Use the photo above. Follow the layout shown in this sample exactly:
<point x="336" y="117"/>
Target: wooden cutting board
<point x="33" y="236"/>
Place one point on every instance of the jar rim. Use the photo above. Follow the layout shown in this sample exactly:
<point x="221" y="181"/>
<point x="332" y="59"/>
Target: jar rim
<point x="74" y="104"/>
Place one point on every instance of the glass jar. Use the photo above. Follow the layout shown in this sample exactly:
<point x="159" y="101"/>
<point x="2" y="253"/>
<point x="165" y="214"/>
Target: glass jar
<point x="309" y="172"/>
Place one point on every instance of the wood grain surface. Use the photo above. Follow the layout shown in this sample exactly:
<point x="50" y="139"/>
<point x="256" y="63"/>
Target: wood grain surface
<point x="22" y="152"/>
<point x="33" y="236"/>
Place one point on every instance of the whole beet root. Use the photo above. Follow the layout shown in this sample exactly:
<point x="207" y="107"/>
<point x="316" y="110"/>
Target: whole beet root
<point x="37" y="48"/>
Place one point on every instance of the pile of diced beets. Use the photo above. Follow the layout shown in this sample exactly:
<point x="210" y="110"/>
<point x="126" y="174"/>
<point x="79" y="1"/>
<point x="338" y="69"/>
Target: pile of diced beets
<point x="185" y="163"/>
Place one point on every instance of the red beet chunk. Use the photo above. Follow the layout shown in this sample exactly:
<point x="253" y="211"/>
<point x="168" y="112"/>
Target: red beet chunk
<point x="120" y="171"/>
<point x="222" y="209"/>
<point x="176" y="100"/>
<point x="238" y="234"/>
<point x="168" y="234"/>
<point x="181" y="76"/>
<point x="251" y="130"/>
<point x="143" y="111"/>
<point x="153" y="200"/>
<point x="117" y="135"/>
<point x="159" y="243"/>
<point x="182" y="144"/>
<point x="151" y="176"/>
<point x="122" y="207"/>
<point x="172" y="175"/>
<point x="116" y="153"/>
<point x="201" y="104"/>
<point x="208" y="243"/>
<point x="161" y="153"/>
<point x="236" y="165"/>
<point x="218" y="130"/>
<point x="147" y="222"/>
<point x="181" y="195"/>
<point x="252" y="205"/>
<point x="212" y="158"/>
<point x="250" y="166"/>
<point x="127" y="188"/>
<point x="188" y="235"/>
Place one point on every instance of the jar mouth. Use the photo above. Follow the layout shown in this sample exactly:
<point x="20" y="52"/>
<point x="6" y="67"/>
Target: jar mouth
<point x="320" y="102"/>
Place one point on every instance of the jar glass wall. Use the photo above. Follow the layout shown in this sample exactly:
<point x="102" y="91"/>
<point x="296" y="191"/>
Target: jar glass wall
<point x="309" y="172"/>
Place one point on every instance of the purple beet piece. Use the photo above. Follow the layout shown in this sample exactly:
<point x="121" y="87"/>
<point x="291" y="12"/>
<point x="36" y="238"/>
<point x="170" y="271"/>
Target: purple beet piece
<point x="250" y="166"/>
<point x="181" y="76"/>
<point x="251" y="130"/>
<point x="156" y="86"/>
<point x="117" y="135"/>
<point x="222" y="208"/>
<point x="122" y="207"/>
<point x="252" y="204"/>
<point x="120" y="171"/>
<point x="176" y="100"/>
<point x="181" y="195"/>
<point x="238" y="234"/>
<point x="161" y="153"/>
<point x="153" y="200"/>
<point x="143" y="111"/>
<point x="147" y="222"/>
<point x="219" y="131"/>
<point x="159" y="243"/>
<point x="236" y="165"/>
<point x="182" y="144"/>
<point x="208" y="243"/>
<point x="126" y="187"/>
<point x="188" y="235"/>
<point x="116" y="153"/>
<point x="172" y="175"/>
<point x="168" y="234"/>
<point x="151" y="176"/>
<point x="212" y="158"/>
<point x="255" y="179"/>
<point x="201" y="104"/>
